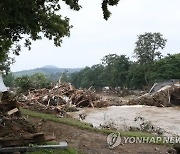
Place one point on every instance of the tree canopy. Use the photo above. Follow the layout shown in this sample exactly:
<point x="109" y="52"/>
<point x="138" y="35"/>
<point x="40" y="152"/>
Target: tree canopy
<point x="112" y="71"/>
<point x="124" y="73"/>
<point x="25" y="83"/>
<point x="118" y="71"/>
<point x="31" y="19"/>
<point x="147" y="51"/>
<point x="147" y="47"/>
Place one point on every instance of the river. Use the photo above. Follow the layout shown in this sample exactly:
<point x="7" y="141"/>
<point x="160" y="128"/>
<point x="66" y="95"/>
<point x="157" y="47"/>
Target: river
<point x="167" y="118"/>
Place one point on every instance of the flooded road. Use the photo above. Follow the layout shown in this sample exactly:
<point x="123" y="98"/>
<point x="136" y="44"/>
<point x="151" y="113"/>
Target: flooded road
<point x="123" y="116"/>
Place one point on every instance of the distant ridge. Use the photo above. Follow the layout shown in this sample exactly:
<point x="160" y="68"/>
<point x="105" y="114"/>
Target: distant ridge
<point x="49" y="66"/>
<point x="46" y="70"/>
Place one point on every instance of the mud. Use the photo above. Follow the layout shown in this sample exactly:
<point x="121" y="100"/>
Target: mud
<point x="122" y="117"/>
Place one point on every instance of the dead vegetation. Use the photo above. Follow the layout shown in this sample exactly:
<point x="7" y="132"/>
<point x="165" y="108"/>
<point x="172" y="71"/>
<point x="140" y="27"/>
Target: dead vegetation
<point x="60" y="99"/>
<point x="146" y="126"/>
<point x="16" y="130"/>
<point x="165" y="97"/>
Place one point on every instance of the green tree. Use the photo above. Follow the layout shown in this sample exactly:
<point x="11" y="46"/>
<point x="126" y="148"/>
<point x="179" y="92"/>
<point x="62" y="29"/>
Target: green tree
<point x="31" y="19"/>
<point x="136" y="78"/>
<point x="64" y="77"/>
<point x="5" y="62"/>
<point x="82" y="79"/>
<point x="166" y="68"/>
<point x="147" y="47"/>
<point x="36" y="81"/>
<point x="24" y="83"/>
<point x="39" y="80"/>
<point x="147" y="51"/>
<point x="85" y="77"/>
<point x="116" y="70"/>
<point x="74" y="79"/>
<point x="162" y="69"/>
<point x="9" y="80"/>
<point x="112" y="71"/>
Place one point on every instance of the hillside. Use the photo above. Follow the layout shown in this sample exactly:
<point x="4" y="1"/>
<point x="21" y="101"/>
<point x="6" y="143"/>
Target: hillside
<point x="46" y="70"/>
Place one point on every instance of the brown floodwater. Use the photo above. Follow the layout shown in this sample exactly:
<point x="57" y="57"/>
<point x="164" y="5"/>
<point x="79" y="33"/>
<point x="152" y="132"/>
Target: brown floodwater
<point x="122" y="117"/>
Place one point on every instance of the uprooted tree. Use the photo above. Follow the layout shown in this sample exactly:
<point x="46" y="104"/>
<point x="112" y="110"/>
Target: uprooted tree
<point x="32" y="19"/>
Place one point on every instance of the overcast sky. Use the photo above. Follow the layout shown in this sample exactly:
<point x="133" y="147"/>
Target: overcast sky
<point x="92" y="37"/>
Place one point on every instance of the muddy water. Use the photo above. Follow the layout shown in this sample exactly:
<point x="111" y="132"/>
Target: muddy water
<point x="123" y="116"/>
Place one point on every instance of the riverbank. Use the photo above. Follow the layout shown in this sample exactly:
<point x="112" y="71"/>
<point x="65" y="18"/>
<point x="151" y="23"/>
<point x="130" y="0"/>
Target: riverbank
<point x="86" y="140"/>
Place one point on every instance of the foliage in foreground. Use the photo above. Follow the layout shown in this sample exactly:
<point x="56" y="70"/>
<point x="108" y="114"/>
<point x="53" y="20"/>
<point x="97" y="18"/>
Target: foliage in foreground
<point x="27" y="21"/>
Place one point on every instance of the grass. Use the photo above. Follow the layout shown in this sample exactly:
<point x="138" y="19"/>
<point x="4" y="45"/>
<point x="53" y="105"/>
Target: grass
<point x="61" y="151"/>
<point x="54" y="118"/>
<point x="82" y="125"/>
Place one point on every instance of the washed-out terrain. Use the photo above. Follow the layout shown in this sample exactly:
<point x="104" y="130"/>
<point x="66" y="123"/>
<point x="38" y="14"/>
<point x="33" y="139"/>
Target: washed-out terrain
<point x="124" y="117"/>
<point x="156" y="113"/>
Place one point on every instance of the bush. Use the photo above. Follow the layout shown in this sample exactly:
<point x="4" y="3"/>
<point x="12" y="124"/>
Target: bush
<point x="35" y="81"/>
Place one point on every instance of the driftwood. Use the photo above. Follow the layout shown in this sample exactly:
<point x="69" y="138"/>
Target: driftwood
<point x="60" y="96"/>
<point x="22" y="140"/>
<point x="166" y="96"/>
<point x="14" y="129"/>
<point x="12" y="111"/>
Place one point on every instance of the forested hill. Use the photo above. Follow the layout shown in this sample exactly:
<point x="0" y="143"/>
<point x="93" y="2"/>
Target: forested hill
<point x="118" y="71"/>
<point x="46" y="70"/>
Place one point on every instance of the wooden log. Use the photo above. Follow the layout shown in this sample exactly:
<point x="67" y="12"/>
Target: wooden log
<point x="92" y="105"/>
<point x="22" y="140"/>
<point x="12" y="111"/>
<point x="81" y="102"/>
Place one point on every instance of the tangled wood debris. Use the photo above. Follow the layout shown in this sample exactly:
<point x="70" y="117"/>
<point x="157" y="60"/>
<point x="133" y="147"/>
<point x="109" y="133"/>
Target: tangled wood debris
<point x="14" y="129"/>
<point x="61" y="98"/>
<point x="168" y="95"/>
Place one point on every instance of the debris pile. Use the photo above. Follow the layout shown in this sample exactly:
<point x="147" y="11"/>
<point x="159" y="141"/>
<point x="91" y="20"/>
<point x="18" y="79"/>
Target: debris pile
<point x="168" y="95"/>
<point x="14" y="129"/>
<point x="61" y="98"/>
<point x="120" y="92"/>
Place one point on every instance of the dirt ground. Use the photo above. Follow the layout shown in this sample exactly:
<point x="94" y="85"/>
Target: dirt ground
<point x="88" y="142"/>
